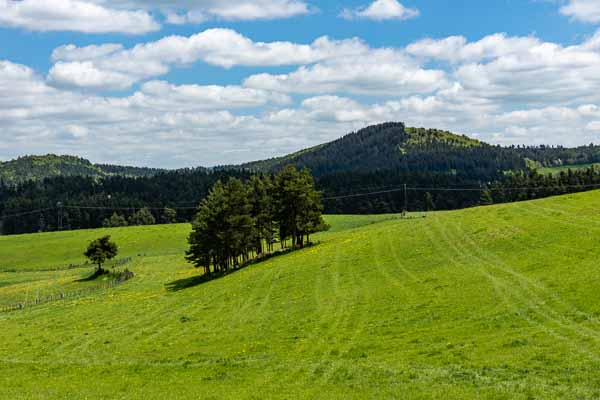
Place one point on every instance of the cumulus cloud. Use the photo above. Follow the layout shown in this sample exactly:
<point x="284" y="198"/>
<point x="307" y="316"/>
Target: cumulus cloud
<point x="339" y="66"/>
<point x="381" y="10"/>
<point x="190" y="118"/>
<point x="228" y="10"/>
<point x="518" y="70"/>
<point x="456" y="49"/>
<point x="500" y="88"/>
<point x="376" y="72"/>
<point x="165" y="96"/>
<point x="582" y="10"/>
<point x="135" y="16"/>
<point x="119" y="68"/>
<point x="74" y="15"/>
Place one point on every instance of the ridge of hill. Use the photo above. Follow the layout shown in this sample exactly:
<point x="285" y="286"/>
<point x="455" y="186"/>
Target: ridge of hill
<point x="389" y="146"/>
<point x="34" y="167"/>
<point x="495" y="302"/>
<point x="377" y="161"/>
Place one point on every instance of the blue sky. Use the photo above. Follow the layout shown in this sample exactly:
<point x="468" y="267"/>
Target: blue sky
<point x="206" y="82"/>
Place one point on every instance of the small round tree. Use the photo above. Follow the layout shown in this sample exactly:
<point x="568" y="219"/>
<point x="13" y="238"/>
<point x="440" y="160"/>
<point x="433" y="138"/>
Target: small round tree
<point x="101" y="250"/>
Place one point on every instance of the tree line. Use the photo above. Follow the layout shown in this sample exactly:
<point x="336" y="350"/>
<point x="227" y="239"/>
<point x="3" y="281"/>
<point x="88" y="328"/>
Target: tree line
<point x="371" y="160"/>
<point x="521" y="186"/>
<point x="239" y="220"/>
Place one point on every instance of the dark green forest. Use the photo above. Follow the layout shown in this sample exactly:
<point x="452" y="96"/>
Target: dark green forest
<point x="441" y="171"/>
<point x="240" y="221"/>
<point x="37" y="168"/>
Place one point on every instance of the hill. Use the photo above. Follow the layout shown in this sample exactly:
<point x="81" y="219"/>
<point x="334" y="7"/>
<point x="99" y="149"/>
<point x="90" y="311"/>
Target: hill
<point x="392" y="146"/>
<point x="40" y="167"/>
<point x="492" y="302"/>
<point x="379" y="161"/>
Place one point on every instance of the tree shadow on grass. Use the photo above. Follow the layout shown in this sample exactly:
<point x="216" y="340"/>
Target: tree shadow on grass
<point x="97" y="274"/>
<point x="187" y="283"/>
<point x="111" y="274"/>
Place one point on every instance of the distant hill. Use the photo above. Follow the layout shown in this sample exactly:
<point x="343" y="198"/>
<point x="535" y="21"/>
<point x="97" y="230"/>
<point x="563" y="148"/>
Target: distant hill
<point x="392" y="146"/>
<point x="51" y="165"/>
<point x="363" y="172"/>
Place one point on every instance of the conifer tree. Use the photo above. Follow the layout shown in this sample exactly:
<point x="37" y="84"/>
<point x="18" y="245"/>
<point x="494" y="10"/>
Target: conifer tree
<point x="142" y="217"/>
<point x="237" y="219"/>
<point x="169" y="216"/>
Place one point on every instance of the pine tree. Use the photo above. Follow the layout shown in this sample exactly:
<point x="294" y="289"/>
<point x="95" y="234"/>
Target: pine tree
<point x="169" y="216"/>
<point x="429" y="202"/>
<point x="261" y="210"/>
<point x="115" y="221"/>
<point x="486" y="198"/>
<point x="238" y="232"/>
<point x="235" y="220"/>
<point x="206" y="239"/>
<point x="142" y="217"/>
<point x="298" y="205"/>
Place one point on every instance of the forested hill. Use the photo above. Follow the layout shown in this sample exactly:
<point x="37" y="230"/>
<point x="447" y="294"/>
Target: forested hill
<point x="392" y="146"/>
<point x="37" y="168"/>
<point x="363" y="172"/>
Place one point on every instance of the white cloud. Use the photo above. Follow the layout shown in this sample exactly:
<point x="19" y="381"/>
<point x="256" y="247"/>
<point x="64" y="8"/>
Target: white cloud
<point x="162" y="95"/>
<point x="73" y="53"/>
<point x="381" y="10"/>
<point x="241" y="10"/>
<point x="582" y="10"/>
<point x="197" y="11"/>
<point x="73" y="15"/>
<point x="456" y="49"/>
<point x="500" y="88"/>
<point x="174" y="124"/>
<point x="86" y="75"/>
<point x="86" y="67"/>
<point x="518" y="70"/>
<point x="135" y="16"/>
<point x="327" y="66"/>
<point x="376" y="72"/>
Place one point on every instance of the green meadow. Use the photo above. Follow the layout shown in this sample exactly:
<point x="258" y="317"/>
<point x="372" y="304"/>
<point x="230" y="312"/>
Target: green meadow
<point x="565" y="168"/>
<point x="498" y="302"/>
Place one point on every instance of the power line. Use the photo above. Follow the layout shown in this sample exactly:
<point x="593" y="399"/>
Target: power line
<point x="402" y="188"/>
<point x="440" y="189"/>
<point x="61" y="207"/>
<point x="127" y="208"/>
<point x="41" y="210"/>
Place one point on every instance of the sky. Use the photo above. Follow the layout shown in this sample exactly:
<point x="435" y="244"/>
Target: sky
<point x="181" y="83"/>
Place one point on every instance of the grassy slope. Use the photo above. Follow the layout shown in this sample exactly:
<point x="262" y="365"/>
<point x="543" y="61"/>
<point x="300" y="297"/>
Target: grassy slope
<point x="496" y="302"/>
<point x="565" y="168"/>
<point x="49" y="250"/>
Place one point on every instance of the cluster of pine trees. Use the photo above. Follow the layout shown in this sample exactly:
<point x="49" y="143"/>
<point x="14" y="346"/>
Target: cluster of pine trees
<point x="141" y="217"/>
<point x="521" y="186"/>
<point x="240" y="220"/>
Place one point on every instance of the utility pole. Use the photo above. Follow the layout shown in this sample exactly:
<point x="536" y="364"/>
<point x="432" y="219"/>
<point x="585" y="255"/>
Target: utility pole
<point x="405" y="201"/>
<point x="59" y="224"/>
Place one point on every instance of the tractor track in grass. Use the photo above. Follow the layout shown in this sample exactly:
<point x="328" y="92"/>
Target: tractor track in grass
<point x="400" y="266"/>
<point x="564" y="328"/>
<point x="540" y="294"/>
<point x="511" y="296"/>
<point x="531" y="208"/>
<point x="529" y="251"/>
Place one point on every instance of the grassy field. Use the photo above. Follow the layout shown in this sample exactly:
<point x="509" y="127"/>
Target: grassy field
<point x="565" y="168"/>
<point x="497" y="302"/>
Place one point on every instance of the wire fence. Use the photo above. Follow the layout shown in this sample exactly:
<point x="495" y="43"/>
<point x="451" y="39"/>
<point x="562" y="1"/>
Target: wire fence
<point x="120" y="278"/>
<point x="118" y="263"/>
